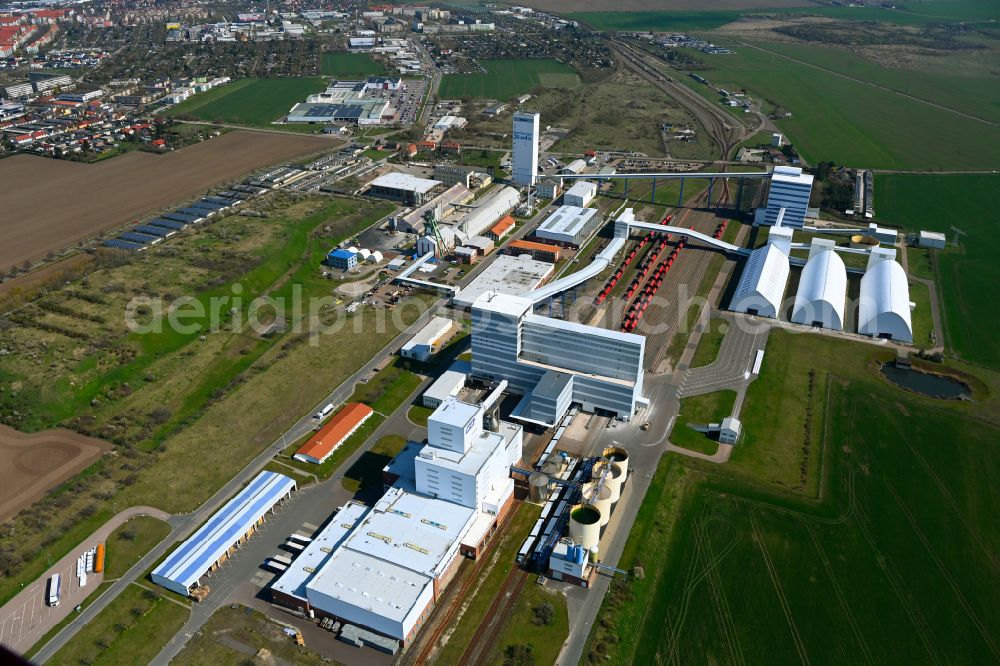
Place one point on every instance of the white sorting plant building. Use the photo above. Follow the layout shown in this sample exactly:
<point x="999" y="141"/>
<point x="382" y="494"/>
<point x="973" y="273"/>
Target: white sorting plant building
<point x="884" y="303"/>
<point x="822" y="291"/>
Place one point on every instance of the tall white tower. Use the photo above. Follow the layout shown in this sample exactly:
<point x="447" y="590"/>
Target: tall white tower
<point x="525" y="152"/>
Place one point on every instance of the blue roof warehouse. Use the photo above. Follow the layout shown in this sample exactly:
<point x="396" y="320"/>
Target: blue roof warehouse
<point x="225" y="531"/>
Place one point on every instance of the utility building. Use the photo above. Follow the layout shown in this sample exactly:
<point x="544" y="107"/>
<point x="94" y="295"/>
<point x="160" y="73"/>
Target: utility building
<point x="581" y="194"/>
<point x="884" y="304"/>
<point x="790" y="190"/>
<point x="822" y="291"/>
<point x="402" y="187"/>
<point x="568" y="225"/>
<point x="525" y="150"/>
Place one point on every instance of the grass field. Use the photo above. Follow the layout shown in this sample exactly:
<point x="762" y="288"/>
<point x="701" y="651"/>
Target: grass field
<point x="350" y="64"/>
<point x="231" y="632"/>
<point x="131" y="630"/>
<point x="893" y="564"/>
<point x="964" y="274"/>
<point x="710" y="342"/>
<point x="848" y="122"/>
<point x="128" y="543"/>
<point x="655" y="21"/>
<point x="508" y="78"/>
<point x="544" y="640"/>
<point x="254" y="102"/>
<point x="194" y="387"/>
<point x="708" y="408"/>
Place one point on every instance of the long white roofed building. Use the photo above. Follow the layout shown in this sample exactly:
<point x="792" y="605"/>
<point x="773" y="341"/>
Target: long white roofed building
<point x="822" y="290"/>
<point x="762" y="285"/>
<point x="884" y="305"/>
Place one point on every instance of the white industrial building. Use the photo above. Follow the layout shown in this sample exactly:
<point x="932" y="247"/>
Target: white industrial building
<point x="581" y="194"/>
<point x="790" y="190"/>
<point x="429" y="339"/>
<point x="931" y="239"/>
<point x="575" y="167"/>
<point x="402" y="187"/>
<point x="568" y="225"/>
<point x="448" y="385"/>
<point x="524" y="158"/>
<point x="491" y="210"/>
<point x="822" y="290"/>
<point x="884" y="303"/>
<point x="564" y="362"/>
<point x="506" y="274"/>
<point x="383" y="568"/>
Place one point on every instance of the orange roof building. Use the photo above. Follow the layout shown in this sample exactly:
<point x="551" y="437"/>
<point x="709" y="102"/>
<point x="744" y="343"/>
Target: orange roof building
<point x="539" y="251"/>
<point x="329" y="437"/>
<point x="500" y="229"/>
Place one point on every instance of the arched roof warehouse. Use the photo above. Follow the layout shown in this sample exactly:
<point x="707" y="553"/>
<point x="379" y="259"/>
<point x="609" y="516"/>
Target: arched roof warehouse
<point x="884" y="305"/>
<point x="822" y="291"/>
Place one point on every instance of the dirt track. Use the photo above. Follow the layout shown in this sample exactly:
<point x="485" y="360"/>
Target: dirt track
<point x="50" y="204"/>
<point x="31" y="464"/>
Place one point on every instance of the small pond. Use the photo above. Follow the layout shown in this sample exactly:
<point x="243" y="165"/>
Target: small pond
<point x="925" y="383"/>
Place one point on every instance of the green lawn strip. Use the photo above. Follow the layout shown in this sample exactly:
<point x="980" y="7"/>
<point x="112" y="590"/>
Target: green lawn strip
<point x="248" y="628"/>
<point x="921" y="262"/>
<point x="701" y="409"/>
<point x="257" y="103"/>
<point x="132" y="629"/>
<point x="51" y="633"/>
<point x="507" y="78"/>
<point x="710" y="342"/>
<point x="963" y="208"/>
<point x="130" y="541"/>
<point x="921" y="318"/>
<point x="419" y="414"/>
<point x="351" y="64"/>
<point x="366" y="473"/>
<point x="526" y="628"/>
<point x="499" y="562"/>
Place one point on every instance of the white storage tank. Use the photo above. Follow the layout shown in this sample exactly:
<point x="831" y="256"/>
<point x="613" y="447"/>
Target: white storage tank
<point x="599" y="497"/>
<point x="613" y="480"/>
<point x="620" y="456"/>
<point x="585" y="525"/>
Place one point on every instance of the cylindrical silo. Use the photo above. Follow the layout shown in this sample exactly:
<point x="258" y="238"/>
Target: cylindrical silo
<point x="612" y="480"/>
<point x="538" y="487"/>
<point x="585" y="525"/>
<point x="620" y="456"/>
<point x="599" y="497"/>
<point x="594" y="554"/>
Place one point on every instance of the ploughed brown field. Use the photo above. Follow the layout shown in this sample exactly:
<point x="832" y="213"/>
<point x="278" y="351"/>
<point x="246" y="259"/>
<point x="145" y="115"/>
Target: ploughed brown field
<point x="50" y="204"/>
<point x="33" y="464"/>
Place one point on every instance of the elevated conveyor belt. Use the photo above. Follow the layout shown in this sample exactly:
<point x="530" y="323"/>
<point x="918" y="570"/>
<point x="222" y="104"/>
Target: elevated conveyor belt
<point x="603" y="260"/>
<point x="404" y="277"/>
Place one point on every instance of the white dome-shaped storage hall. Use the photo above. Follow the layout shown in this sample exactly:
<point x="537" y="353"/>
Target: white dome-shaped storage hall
<point x="762" y="284"/>
<point x="884" y="306"/>
<point x="822" y="291"/>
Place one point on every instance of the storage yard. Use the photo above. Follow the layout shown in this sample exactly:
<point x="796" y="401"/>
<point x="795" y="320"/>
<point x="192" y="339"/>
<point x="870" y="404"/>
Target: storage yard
<point x="82" y="200"/>
<point x="33" y="464"/>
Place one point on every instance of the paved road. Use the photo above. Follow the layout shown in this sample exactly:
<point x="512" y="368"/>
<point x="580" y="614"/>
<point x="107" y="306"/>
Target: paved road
<point x="26" y="618"/>
<point x="185" y="525"/>
<point x="731" y="368"/>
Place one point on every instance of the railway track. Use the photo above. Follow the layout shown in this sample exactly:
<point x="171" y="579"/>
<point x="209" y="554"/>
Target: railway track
<point x="724" y="129"/>
<point x="496" y="617"/>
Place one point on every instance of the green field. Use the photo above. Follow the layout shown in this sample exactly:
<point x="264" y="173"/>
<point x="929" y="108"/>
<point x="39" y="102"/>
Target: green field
<point x="127" y="544"/>
<point x="892" y="563"/>
<point x="508" y="78"/>
<point x="350" y="64"/>
<point x="708" y="408"/>
<point x="916" y="12"/>
<point x="964" y="274"/>
<point x="254" y="102"/>
<point x="956" y="89"/>
<point x="131" y="630"/>
<point x="848" y="122"/>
